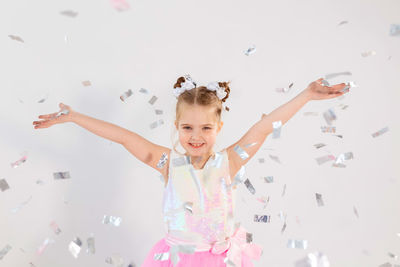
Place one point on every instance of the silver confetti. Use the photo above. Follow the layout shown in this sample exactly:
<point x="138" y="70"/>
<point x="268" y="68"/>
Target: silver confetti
<point x="282" y="216"/>
<point x="392" y="255"/>
<point x="16" y="38"/>
<point x="108" y="219"/>
<point x="333" y="75"/>
<point x="239" y="177"/>
<point x="143" y="90"/>
<point x="249" y="237"/>
<point x="283" y="228"/>
<point x="62" y="112"/>
<point x="277" y="129"/>
<point x="284" y="190"/>
<point x="161" y="256"/>
<point x="343" y="22"/>
<point x="310" y="113"/>
<point x="316" y="259"/>
<point x="319" y="199"/>
<point x="329" y="116"/>
<point x="86" y="83"/>
<point x="394" y="29"/>
<point x="132" y="264"/>
<point x="55" y="227"/>
<point x="40" y="182"/>
<point x="262" y="218"/>
<point x="69" y="13"/>
<point x="158" y="112"/>
<point x="282" y="90"/>
<point x="380" y="132"/>
<point x="302" y="244"/>
<point x="242" y="154"/>
<point x="343" y="157"/>
<point x="75" y="247"/>
<point x="261" y="160"/>
<point x="19" y="162"/>
<point x="162" y="161"/>
<point x="16" y="209"/>
<point x="188" y="206"/>
<point x="156" y="123"/>
<point x="61" y="175"/>
<point x="274" y="158"/>
<point x="4" y="251"/>
<point x="328" y="129"/>
<point x="323" y="159"/>
<point x="269" y="179"/>
<point x="387" y="264"/>
<point x="90" y="245"/>
<point x="319" y="145"/>
<point x="325" y="82"/>
<point x="4" y="185"/>
<point x="249" y="186"/>
<point x="251" y="144"/>
<point x="44" y="245"/>
<point x="368" y="53"/>
<point x="153" y="99"/>
<point x="250" y="50"/>
<point x="355" y="211"/>
<point x="115" y="260"/>
<point x="125" y="95"/>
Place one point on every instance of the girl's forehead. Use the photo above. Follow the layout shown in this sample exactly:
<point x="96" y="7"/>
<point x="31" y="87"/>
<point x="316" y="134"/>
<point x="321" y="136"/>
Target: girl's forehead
<point x="196" y="114"/>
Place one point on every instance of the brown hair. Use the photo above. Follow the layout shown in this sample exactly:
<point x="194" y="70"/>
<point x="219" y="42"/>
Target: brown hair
<point x="201" y="96"/>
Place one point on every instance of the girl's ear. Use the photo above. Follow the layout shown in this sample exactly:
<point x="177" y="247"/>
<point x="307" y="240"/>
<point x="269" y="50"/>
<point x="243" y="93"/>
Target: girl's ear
<point x="176" y="124"/>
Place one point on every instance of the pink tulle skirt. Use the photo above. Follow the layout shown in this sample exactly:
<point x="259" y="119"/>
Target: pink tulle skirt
<point x="198" y="259"/>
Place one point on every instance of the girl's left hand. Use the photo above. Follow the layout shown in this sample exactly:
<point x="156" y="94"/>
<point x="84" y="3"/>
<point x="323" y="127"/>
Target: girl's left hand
<point x="317" y="91"/>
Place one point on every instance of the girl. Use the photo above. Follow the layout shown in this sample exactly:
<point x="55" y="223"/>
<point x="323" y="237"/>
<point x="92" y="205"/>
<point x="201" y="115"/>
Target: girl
<point x="199" y="187"/>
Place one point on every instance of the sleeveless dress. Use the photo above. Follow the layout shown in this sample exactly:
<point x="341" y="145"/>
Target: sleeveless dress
<point x="198" y="208"/>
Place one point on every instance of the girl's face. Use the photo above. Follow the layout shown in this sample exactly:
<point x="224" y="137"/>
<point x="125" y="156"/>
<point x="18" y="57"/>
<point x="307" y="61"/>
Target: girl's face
<point x="198" y="127"/>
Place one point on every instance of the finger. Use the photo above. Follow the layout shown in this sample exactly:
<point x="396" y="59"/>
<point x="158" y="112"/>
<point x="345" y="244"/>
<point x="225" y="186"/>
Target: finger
<point x="48" y="116"/>
<point x="339" y="86"/>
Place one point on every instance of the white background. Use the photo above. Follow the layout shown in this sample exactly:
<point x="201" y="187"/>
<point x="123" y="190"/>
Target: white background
<point x="150" y="46"/>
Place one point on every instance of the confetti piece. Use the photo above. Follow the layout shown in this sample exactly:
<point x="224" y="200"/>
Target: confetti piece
<point x="325" y="82"/>
<point x="62" y="112"/>
<point x="368" y="53"/>
<point x="315" y="259"/>
<point x="242" y="154"/>
<point x="161" y="256"/>
<point x="108" y="219"/>
<point x="264" y="200"/>
<point x="132" y="264"/>
<point x="343" y="22"/>
<point x="249" y="237"/>
<point x="249" y="186"/>
<point x="115" y="260"/>
<point x="355" y="211"/>
<point x="392" y="255"/>
<point x="61" y="175"/>
<point x="283" y="228"/>
<point x="262" y="218"/>
<point x="162" y="161"/>
<point x="90" y="245"/>
<point x="251" y="144"/>
<point x="4" y="185"/>
<point x="387" y="264"/>
<point x="156" y="124"/>
<point x="269" y="179"/>
<point x="75" y="247"/>
<point x="239" y="177"/>
<point x="284" y="190"/>
<point x="282" y="90"/>
<point x="4" y="251"/>
<point x="394" y="30"/>
<point x="380" y="132"/>
<point x="16" y="209"/>
<point x="333" y="75"/>
<point x="319" y="145"/>
<point x="158" y="111"/>
<point x="86" y="83"/>
<point x="125" y="95"/>
<point x="302" y="244"/>
<point x="16" y="38"/>
<point x="143" y="90"/>
<point x="55" y="228"/>
<point x="323" y="159"/>
<point x="277" y="129"/>
<point x="44" y="245"/>
<point x="153" y="99"/>
<point x="69" y="13"/>
<point x="120" y="5"/>
<point x="43" y="99"/>
<point x="274" y="158"/>
<point x="250" y="50"/>
<point x="188" y="206"/>
<point x="328" y="129"/>
<point x="343" y="157"/>
<point x="261" y="160"/>
<point x="319" y="199"/>
<point x="329" y="116"/>
<point x="19" y="162"/>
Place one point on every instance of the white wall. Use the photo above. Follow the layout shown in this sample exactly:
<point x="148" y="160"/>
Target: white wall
<point x="150" y="46"/>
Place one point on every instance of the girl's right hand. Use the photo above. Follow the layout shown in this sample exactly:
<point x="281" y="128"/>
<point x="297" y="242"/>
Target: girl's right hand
<point x="54" y="118"/>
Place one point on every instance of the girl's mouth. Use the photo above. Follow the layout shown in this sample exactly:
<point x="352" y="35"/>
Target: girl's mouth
<point x="196" y="145"/>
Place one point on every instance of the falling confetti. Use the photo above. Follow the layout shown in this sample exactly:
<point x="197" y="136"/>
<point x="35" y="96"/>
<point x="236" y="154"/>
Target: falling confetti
<point x="274" y="158"/>
<point x="4" y="251"/>
<point x="61" y="175"/>
<point x="156" y="124"/>
<point x="115" y="260"/>
<point x="269" y="179"/>
<point x="302" y="244"/>
<point x="153" y="100"/>
<point x="251" y="144"/>
<point x="276" y="125"/>
<point x="323" y="159"/>
<point x="75" y="247"/>
<point x="262" y="218"/>
<point x="249" y="186"/>
<point x="4" y="185"/>
<point x="16" y="38"/>
<point x="355" y="211"/>
<point x="162" y="161"/>
<point x="368" y="53"/>
<point x="328" y="129"/>
<point x="120" y="5"/>
<point x="55" y="228"/>
<point x="242" y="154"/>
<point x="158" y="112"/>
<point x="284" y="190"/>
<point x="250" y="50"/>
<point x="19" y="162"/>
<point x="261" y="160"/>
<point x="69" y="13"/>
<point x="16" y="209"/>
<point x="336" y="74"/>
<point x="125" y="95"/>
<point x="108" y="219"/>
<point x="329" y="116"/>
<point x="319" y="145"/>
<point x="394" y="30"/>
<point x="343" y="22"/>
<point x="380" y="132"/>
<point x="90" y="245"/>
<point x="86" y="83"/>
<point x="144" y="91"/>
<point x="46" y="242"/>
<point x="316" y="259"/>
<point x="319" y="199"/>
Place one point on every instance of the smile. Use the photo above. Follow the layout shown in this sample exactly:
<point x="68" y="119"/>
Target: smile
<point x="196" y="145"/>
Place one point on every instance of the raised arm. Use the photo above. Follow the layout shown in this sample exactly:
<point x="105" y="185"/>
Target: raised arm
<point x="141" y="148"/>
<point x="261" y="129"/>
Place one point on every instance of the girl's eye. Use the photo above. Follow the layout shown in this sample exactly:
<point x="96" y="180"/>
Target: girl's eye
<point x="207" y="128"/>
<point x="186" y="127"/>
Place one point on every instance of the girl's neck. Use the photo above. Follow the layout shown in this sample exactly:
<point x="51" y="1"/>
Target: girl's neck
<point x="198" y="162"/>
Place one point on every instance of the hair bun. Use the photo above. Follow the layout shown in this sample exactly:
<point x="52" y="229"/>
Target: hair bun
<point x="179" y="81"/>
<point x="227" y="89"/>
